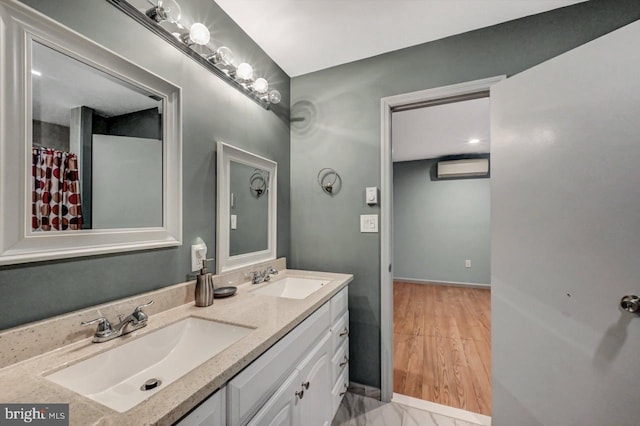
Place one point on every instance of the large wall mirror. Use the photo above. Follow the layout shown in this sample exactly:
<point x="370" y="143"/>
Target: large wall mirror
<point x="91" y="146"/>
<point x="246" y="208"/>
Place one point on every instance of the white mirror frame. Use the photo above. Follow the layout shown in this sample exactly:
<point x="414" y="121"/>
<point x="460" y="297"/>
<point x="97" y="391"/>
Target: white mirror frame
<point x="19" y="27"/>
<point x="226" y="154"/>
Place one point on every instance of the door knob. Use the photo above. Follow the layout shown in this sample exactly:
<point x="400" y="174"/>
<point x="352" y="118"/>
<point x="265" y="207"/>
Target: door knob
<point x="630" y="303"/>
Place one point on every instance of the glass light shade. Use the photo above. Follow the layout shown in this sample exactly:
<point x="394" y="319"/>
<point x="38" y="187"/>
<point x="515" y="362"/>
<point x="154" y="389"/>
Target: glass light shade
<point x="199" y="34"/>
<point x="274" y="97"/>
<point x="244" y="71"/>
<point x="225" y="55"/>
<point x="261" y="85"/>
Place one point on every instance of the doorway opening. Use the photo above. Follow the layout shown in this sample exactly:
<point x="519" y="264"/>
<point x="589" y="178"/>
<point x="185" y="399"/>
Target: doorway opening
<point x="435" y="249"/>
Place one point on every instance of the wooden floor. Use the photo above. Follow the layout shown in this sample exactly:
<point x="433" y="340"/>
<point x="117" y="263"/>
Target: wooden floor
<point x="442" y="345"/>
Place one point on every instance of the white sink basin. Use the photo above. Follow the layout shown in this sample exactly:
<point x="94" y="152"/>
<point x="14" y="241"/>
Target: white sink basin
<point x="292" y="287"/>
<point x="115" y="377"/>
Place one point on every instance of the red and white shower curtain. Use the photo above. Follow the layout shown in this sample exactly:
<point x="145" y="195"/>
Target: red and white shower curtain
<point x="56" y="191"/>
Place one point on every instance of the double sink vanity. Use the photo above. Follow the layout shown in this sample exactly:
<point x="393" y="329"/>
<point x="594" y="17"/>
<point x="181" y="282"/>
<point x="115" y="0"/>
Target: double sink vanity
<point x="274" y="352"/>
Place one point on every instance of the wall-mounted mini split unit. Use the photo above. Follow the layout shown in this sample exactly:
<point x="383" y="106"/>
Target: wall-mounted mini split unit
<point x="463" y="168"/>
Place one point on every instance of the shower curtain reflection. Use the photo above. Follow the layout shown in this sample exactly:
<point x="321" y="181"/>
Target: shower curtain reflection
<point x="56" y="191"/>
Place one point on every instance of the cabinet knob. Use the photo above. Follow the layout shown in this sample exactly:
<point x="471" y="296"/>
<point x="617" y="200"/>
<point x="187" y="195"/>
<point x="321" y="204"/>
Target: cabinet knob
<point x="345" y="362"/>
<point x="345" y="332"/>
<point x="305" y="385"/>
<point x="630" y="303"/>
<point x="300" y="394"/>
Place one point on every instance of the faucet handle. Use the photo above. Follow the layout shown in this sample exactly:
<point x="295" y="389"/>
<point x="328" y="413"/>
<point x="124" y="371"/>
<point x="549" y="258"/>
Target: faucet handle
<point x="138" y="314"/>
<point x="272" y="270"/>
<point x="103" y="324"/>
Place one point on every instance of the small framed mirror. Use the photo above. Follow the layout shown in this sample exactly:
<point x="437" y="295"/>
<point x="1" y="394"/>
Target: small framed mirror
<point x="91" y="146"/>
<point x="246" y="207"/>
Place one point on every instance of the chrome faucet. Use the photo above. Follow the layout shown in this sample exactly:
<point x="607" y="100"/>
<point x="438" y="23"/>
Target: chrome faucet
<point x="258" y="277"/>
<point x="126" y="325"/>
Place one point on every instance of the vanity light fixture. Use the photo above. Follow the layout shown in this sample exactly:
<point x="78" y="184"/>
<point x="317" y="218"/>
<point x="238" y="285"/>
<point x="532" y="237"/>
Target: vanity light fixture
<point x="195" y="43"/>
<point x="474" y="141"/>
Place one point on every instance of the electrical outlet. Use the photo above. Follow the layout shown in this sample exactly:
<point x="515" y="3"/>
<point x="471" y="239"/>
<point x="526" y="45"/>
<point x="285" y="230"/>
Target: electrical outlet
<point x="467" y="263"/>
<point x="198" y="254"/>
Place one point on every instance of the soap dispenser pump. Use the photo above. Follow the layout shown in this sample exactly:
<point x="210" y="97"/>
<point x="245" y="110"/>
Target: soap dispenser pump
<point x="204" y="286"/>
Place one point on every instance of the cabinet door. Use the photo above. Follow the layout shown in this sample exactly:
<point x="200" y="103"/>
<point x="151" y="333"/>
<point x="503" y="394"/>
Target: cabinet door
<point x="315" y="380"/>
<point x="282" y="408"/>
<point x="210" y="413"/>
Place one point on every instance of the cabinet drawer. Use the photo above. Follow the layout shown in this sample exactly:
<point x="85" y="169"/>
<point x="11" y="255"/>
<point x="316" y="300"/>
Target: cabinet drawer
<point x="340" y="360"/>
<point x="339" y="304"/>
<point x="339" y="389"/>
<point x="340" y="331"/>
<point x="251" y="388"/>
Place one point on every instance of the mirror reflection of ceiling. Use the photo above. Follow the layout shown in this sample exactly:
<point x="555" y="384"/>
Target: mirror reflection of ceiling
<point x="436" y="131"/>
<point x="65" y="83"/>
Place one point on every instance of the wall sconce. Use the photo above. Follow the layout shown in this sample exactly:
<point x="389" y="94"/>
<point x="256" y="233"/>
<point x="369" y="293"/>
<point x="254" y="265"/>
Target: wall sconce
<point x="221" y="61"/>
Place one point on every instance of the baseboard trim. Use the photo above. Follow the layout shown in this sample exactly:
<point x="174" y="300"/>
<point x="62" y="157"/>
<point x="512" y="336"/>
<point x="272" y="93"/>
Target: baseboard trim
<point x="445" y="410"/>
<point x="450" y="283"/>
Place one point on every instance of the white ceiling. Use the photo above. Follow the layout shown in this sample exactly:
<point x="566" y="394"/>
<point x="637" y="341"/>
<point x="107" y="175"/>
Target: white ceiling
<point x="303" y="36"/>
<point x="440" y="130"/>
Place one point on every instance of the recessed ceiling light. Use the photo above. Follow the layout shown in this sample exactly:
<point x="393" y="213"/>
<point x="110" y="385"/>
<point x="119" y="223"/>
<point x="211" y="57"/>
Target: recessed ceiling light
<point x="474" y="140"/>
<point x="36" y="73"/>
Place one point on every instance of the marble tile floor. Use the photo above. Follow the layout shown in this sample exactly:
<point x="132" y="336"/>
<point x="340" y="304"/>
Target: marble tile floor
<point x="358" y="410"/>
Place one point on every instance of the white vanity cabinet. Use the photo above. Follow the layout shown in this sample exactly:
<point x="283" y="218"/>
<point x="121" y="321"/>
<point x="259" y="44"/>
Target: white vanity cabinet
<point x="339" y="348"/>
<point x="293" y="382"/>
<point x="212" y="412"/>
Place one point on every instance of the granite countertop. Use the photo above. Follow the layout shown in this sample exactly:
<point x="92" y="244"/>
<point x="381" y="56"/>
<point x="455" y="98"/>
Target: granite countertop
<point x="270" y="317"/>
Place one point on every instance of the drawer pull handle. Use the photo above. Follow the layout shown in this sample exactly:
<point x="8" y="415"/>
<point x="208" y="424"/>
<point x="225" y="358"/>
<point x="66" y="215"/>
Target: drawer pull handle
<point x="300" y="394"/>
<point x="345" y="332"/>
<point x="345" y="362"/>
<point x="305" y="385"/>
<point x="345" y="389"/>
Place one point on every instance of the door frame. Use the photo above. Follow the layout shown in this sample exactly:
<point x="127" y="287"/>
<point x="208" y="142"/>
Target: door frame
<point x="387" y="104"/>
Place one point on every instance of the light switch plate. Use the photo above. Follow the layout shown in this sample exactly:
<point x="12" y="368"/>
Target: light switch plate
<point x="198" y="254"/>
<point x="368" y="223"/>
<point x="234" y="221"/>
<point x="371" y="195"/>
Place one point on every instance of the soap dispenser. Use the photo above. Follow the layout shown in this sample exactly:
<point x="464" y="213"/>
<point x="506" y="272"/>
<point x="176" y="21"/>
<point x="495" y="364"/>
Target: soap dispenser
<point x="204" y="286"/>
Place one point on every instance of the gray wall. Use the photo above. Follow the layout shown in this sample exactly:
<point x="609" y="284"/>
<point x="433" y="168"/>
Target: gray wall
<point x="211" y="110"/>
<point x="438" y="224"/>
<point x="341" y="129"/>
<point x="50" y="135"/>
<point x="252" y="212"/>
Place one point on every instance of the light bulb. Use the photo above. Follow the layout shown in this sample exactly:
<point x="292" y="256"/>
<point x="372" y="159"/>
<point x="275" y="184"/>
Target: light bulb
<point x="261" y="85"/>
<point x="244" y="71"/>
<point x="165" y="10"/>
<point x="199" y="34"/>
<point x="224" y="55"/>
<point x="474" y="141"/>
<point x="274" y="97"/>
